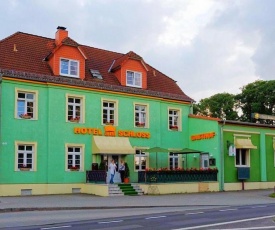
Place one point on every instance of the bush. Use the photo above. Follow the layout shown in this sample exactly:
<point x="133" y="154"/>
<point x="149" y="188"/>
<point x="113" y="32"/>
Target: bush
<point x="127" y="171"/>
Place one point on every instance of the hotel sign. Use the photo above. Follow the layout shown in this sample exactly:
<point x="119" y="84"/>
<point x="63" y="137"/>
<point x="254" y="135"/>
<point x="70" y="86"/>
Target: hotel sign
<point x="202" y="136"/>
<point x="110" y="131"/>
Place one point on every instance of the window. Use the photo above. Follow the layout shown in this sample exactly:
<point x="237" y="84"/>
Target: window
<point x="109" y="113"/>
<point x="74" y="157"/>
<point x="173" y="160"/>
<point x="134" y="79"/>
<point x="75" y="108"/>
<point x="26" y="104"/>
<point x="174" y="122"/>
<point x="25" y="156"/>
<point x="140" y="160"/>
<point x="242" y="157"/>
<point x="141" y="116"/>
<point x="204" y="161"/>
<point x="69" y="67"/>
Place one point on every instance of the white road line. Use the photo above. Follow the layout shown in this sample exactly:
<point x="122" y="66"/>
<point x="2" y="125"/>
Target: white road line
<point x="260" y="206"/>
<point x="230" y="209"/>
<point x="193" y="213"/>
<point x="108" y="222"/>
<point x="229" y="222"/>
<point x="154" y="217"/>
<point x="266" y="227"/>
<point x="65" y="226"/>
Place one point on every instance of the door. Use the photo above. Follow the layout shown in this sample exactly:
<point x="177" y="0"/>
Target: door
<point x="204" y="161"/>
<point x="117" y="159"/>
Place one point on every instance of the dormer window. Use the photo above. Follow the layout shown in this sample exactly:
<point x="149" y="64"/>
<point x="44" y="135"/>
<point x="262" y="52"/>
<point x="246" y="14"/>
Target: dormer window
<point x="69" y="67"/>
<point x="134" y="79"/>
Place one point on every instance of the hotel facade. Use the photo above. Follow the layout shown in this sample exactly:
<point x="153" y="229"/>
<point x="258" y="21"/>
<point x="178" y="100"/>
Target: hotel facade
<point x="68" y="109"/>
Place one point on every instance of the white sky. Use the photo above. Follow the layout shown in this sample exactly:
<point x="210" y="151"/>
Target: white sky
<point x="207" y="46"/>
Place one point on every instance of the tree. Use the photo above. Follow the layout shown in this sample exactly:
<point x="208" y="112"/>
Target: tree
<point x="257" y="97"/>
<point x="221" y="105"/>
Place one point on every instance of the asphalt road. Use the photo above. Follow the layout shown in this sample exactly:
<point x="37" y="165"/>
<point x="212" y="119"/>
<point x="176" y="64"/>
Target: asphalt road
<point x="230" y="217"/>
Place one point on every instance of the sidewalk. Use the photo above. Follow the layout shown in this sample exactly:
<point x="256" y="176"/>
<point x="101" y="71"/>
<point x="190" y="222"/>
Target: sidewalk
<point x="82" y="201"/>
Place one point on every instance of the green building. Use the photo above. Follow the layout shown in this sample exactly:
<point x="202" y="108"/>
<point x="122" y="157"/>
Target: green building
<point x="68" y="109"/>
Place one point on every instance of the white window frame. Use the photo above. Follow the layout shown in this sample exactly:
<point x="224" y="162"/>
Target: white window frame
<point x="247" y="158"/>
<point x="175" y="157"/>
<point x="34" y="115"/>
<point x="33" y="152"/>
<point x="173" y="116"/>
<point x="138" y="120"/>
<point x="135" y="79"/>
<point x="75" y="117"/>
<point x="70" y="61"/>
<point x="81" y="154"/>
<point x="142" y="154"/>
<point x="110" y="111"/>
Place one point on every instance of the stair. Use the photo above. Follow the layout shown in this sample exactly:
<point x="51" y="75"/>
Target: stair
<point x="114" y="190"/>
<point x="124" y="189"/>
<point x="130" y="189"/>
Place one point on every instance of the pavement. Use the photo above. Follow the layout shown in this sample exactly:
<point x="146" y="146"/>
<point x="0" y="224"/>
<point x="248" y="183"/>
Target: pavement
<point x="84" y="201"/>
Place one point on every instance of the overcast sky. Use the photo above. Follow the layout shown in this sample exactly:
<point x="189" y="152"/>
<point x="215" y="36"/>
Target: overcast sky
<point x="207" y="46"/>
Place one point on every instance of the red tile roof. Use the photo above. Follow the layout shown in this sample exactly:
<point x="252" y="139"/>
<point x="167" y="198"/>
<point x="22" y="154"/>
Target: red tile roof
<point x="31" y="50"/>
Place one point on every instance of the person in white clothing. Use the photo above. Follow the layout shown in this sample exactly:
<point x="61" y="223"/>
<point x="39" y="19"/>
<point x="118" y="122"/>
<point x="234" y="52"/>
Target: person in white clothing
<point x="112" y="170"/>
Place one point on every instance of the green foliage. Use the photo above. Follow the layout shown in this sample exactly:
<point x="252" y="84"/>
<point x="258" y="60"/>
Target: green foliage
<point x="257" y="97"/>
<point x="221" y="105"/>
<point x="127" y="170"/>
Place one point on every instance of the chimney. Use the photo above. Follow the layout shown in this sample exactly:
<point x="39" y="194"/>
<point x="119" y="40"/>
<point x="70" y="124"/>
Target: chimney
<point x="60" y="34"/>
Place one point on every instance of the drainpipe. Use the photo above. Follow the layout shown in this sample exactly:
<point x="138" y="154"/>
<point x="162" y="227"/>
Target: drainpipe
<point x="222" y="158"/>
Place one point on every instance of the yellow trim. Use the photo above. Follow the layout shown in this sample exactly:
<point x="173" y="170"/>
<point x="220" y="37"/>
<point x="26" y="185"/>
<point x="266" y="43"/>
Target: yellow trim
<point x="35" y="103"/>
<point x="97" y="90"/>
<point x="82" y="146"/>
<point x="236" y="131"/>
<point x="34" y="160"/>
<point x="83" y="100"/>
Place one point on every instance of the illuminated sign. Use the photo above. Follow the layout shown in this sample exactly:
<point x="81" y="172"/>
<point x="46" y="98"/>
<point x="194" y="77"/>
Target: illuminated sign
<point x="203" y="136"/>
<point x="110" y="131"/>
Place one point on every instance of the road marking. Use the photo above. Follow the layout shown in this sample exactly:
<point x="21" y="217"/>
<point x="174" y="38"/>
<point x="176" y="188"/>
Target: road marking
<point x="154" y="217"/>
<point x="108" y="222"/>
<point x="260" y="206"/>
<point x="65" y="226"/>
<point x="229" y="222"/>
<point x="193" y="213"/>
<point x="266" y="227"/>
<point x="230" y="209"/>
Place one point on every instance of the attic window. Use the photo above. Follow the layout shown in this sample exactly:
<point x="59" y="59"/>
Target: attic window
<point x="69" y="67"/>
<point x="96" y="74"/>
<point x="134" y="79"/>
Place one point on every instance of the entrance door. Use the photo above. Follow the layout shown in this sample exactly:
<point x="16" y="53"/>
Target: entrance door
<point x="204" y="161"/>
<point x="117" y="159"/>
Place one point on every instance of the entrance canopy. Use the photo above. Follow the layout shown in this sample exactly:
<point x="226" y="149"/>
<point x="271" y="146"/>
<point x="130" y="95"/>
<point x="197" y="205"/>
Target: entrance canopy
<point x="244" y="144"/>
<point x="111" y="145"/>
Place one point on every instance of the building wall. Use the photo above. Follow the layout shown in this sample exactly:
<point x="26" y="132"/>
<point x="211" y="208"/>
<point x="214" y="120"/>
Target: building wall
<point x="261" y="159"/>
<point x="51" y="131"/>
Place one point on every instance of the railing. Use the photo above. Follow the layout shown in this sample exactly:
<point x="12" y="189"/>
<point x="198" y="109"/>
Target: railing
<point x="175" y="176"/>
<point x="96" y="176"/>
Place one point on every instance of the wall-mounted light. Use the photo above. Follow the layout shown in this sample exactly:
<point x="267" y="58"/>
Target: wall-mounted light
<point x="194" y="156"/>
